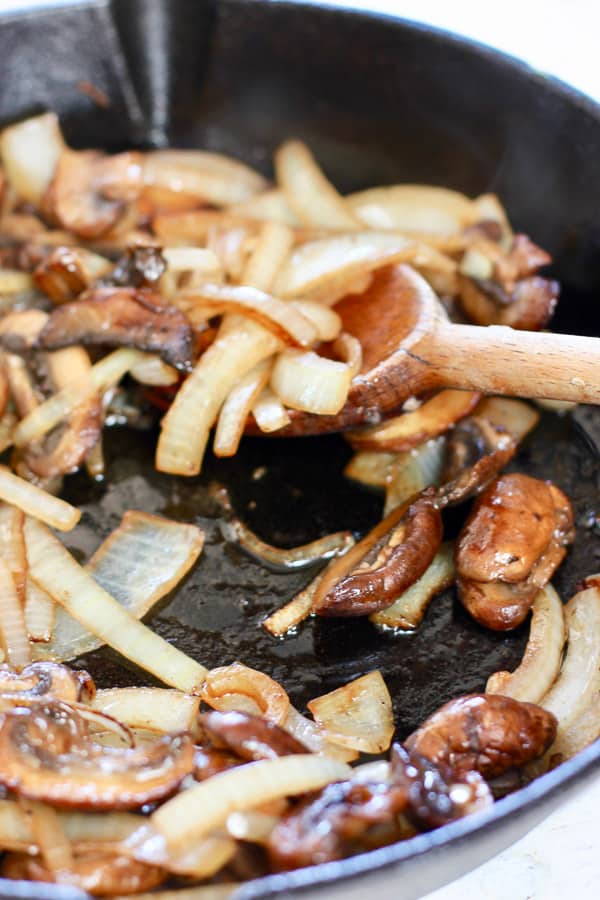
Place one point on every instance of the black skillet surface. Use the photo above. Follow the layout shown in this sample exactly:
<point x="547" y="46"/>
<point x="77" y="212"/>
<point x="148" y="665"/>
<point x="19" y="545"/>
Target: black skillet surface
<point x="379" y="101"/>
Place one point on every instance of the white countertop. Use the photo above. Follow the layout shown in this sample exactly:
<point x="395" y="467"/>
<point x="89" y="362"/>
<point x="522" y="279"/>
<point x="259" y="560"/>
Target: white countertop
<point x="561" y="857"/>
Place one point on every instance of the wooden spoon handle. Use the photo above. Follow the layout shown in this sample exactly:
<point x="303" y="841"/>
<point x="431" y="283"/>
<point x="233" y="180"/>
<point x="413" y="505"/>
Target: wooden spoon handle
<point x="500" y="360"/>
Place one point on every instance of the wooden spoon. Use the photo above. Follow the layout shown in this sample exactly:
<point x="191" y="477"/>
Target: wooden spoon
<point x="410" y="347"/>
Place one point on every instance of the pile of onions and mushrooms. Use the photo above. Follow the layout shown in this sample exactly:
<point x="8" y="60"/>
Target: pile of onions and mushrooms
<point x="188" y="280"/>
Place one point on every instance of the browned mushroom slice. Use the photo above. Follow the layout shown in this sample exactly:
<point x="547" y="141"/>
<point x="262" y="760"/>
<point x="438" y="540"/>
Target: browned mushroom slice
<point x="486" y="733"/>
<point x="511" y="545"/>
<point x="88" y="193"/>
<point x="46" y="753"/>
<point x="384" y="564"/>
<point x="508" y="530"/>
<point x="479" y="446"/>
<point x="339" y="821"/>
<point x="247" y="736"/>
<point x="102" y="873"/>
<point x="123" y="317"/>
<point x="530" y="306"/>
<point x="139" y="267"/>
<point x="436" y="793"/>
<point x="66" y="272"/>
<point x="45" y="681"/>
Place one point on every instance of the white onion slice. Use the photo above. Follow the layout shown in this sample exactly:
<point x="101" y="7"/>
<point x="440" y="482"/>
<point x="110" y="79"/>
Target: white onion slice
<point x="310" y="734"/>
<point x="540" y="665"/>
<point x="193" y="814"/>
<point x="55" y="570"/>
<point x="211" y="177"/>
<point x="12" y="621"/>
<point x="285" y="320"/>
<point x="254" y="827"/>
<point x="237" y="407"/>
<point x="326" y="321"/>
<point x="191" y="259"/>
<point x="579" y="677"/>
<point x="40" y="612"/>
<point x="416" y="208"/>
<point x="269" y="412"/>
<point x="153" y="370"/>
<point x="412" y="471"/>
<point x="330" y="262"/>
<point x="357" y="715"/>
<point x="273" y="244"/>
<point x="309" y="193"/>
<point x="408" y="610"/>
<point x="270" y="205"/>
<point x="30" y="151"/>
<point x="348" y="348"/>
<point x="102" y="375"/>
<point x="371" y="468"/>
<point x="12" y="543"/>
<point x="36" y="502"/>
<point x="303" y="380"/>
<point x="13" y="281"/>
<point x="289" y="616"/>
<point x="138" y="564"/>
<point x="271" y="699"/>
<point x="53" y="844"/>
<point x="153" y="709"/>
<point x="238" y="347"/>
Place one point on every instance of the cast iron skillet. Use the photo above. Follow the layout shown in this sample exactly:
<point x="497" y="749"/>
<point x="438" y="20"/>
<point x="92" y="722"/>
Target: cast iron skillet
<point x="379" y="100"/>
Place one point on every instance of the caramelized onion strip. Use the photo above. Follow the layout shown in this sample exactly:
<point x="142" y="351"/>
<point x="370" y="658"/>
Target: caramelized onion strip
<point x="269" y="412"/>
<point x="281" y="559"/>
<point x="540" y="665"/>
<point x="407" y="611"/>
<point x="237" y="407"/>
<point x="357" y="715"/>
<point x="13" y="632"/>
<point x="270" y="697"/>
<point x="40" y="612"/>
<point x="303" y="380"/>
<point x="55" y="570"/>
<point x="153" y="709"/>
<point x="36" y="502"/>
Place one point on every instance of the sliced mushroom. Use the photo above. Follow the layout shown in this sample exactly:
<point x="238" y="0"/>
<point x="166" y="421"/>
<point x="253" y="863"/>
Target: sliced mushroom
<point x="89" y="192"/>
<point x="45" y="681"/>
<point x="102" y="873"/>
<point x="436" y="793"/>
<point x="513" y="541"/>
<point x="531" y="305"/>
<point x="339" y="821"/>
<point x="385" y="563"/>
<point x="122" y="317"/>
<point x="66" y="272"/>
<point x="47" y="753"/>
<point x="248" y="737"/>
<point x="485" y="733"/>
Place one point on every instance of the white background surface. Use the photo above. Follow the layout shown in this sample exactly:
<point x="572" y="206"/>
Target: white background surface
<point x="560" y="858"/>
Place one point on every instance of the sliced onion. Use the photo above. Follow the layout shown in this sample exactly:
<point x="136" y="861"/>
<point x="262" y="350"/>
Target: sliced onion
<point x="285" y="320"/>
<point x="94" y="461"/>
<point x="12" y="621"/>
<point x="410" y="429"/>
<point x="269" y="412"/>
<point x="309" y="193"/>
<point x="516" y="416"/>
<point x="210" y="177"/>
<point x="23" y="327"/>
<point x="30" y="151"/>
<point x="273" y="244"/>
<point x="237" y="407"/>
<point x="102" y="375"/>
<point x="193" y="814"/>
<point x="330" y="262"/>
<point x="540" y="665"/>
<point x="40" y="612"/>
<point x="326" y="321"/>
<point x="254" y="827"/>
<point x="579" y="679"/>
<point x="413" y="471"/>
<point x="371" y="468"/>
<point x="270" y="205"/>
<point x="289" y="616"/>
<point x="238" y="347"/>
<point x="357" y="715"/>
<point x="303" y="380"/>
<point x="13" y="281"/>
<point x="310" y="734"/>
<point x="36" y="502"/>
<point x="416" y="208"/>
<point x="281" y="559"/>
<point x="138" y="564"/>
<point x="153" y="709"/>
<point x="583" y="731"/>
<point x="489" y="209"/>
<point x="348" y="348"/>
<point x="8" y="423"/>
<point x="191" y="259"/>
<point x="55" y="570"/>
<point x="12" y="543"/>
<point x="407" y="612"/>
<point x="22" y="390"/>
<point x="270" y="697"/>
<point x="153" y="370"/>
<point x="53" y="844"/>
